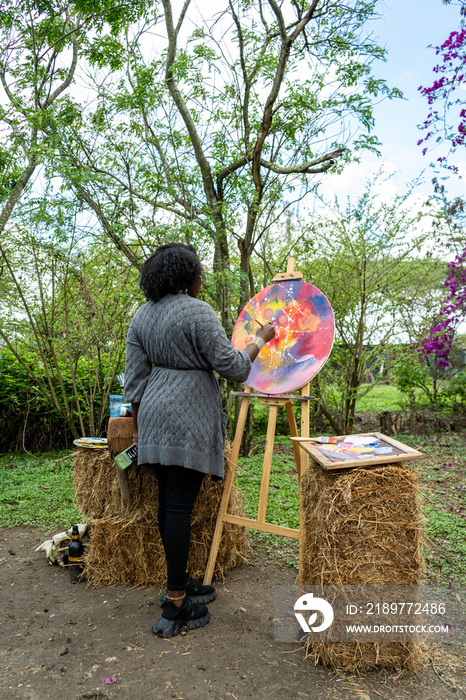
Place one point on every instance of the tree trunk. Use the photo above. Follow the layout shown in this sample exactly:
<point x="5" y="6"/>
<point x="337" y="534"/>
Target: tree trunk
<point x="223" y="289"/>
<point x="248" y="433"/>
<point x="390" y="423"/>
<point x="15" y="194"/>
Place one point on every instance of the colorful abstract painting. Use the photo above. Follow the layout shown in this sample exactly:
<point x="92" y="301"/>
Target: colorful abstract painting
<point x="304" y="332"/>
<point x="357" y="447"/>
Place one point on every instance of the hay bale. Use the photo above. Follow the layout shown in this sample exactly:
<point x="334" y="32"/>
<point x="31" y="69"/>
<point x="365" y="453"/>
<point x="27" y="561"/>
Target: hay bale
<point x="125" y="546"/>
<point x="126" y="553"/>
<point x="93" y="476"/>
<point x="364" y="656"/>
<point x="98" y="492"/>
<point x="362" y="527"/>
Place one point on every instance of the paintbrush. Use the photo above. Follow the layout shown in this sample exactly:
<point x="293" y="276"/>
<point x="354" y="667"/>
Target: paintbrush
<point x="322" y="440"/>
<point x="257" y="321"/>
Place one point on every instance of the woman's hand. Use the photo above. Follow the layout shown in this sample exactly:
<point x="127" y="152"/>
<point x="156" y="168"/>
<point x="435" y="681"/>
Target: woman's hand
<point x="267" y="332"/>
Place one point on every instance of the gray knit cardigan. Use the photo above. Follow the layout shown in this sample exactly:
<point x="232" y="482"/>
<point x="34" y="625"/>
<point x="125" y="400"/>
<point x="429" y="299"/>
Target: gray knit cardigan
<point x="180" y="418"/>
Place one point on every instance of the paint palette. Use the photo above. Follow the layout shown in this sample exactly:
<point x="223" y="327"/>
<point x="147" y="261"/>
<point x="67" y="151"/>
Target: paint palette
<point x="304" y="333"/>
<point x="364" y="450"/>
<point x="91" y="443"/>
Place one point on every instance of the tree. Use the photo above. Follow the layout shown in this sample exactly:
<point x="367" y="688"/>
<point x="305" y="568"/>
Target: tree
<point x="38" y="58"/>
<point x="251" y="107"/>
<point x="363" y="257"/>
<point x="69" y="308"/>
<point x="447" y="90"/>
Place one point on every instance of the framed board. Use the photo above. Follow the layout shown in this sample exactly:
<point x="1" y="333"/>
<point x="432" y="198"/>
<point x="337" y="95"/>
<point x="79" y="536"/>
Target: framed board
<point x="362" y="450"/>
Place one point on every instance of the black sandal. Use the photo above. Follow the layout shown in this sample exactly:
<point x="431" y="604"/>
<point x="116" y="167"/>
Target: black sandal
<point x="196" y="591"/>
<point x="173" y="619"/>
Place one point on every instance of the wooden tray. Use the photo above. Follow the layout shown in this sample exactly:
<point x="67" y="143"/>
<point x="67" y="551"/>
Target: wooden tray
<point x="400" y="452"/>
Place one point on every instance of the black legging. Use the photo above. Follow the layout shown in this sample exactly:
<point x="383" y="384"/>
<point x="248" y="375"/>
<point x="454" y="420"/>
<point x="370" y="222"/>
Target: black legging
<point x="178" y="489"/>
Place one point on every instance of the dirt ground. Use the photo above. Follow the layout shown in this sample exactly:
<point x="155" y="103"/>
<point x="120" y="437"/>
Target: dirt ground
<point x="61" y="641"/>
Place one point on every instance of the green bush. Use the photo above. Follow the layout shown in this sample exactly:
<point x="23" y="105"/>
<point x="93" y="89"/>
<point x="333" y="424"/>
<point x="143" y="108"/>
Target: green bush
<point x="29" y="422"/>
<point x="454" y="393"/>
<point x="411" y="376"/>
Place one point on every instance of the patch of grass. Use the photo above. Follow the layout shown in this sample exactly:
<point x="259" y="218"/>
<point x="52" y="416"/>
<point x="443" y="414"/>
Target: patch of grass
<point x="37" y="490"/>
<point x="443" y="491"/>
<point x="283" y="500"/>
<point x="381" y="397"/>
<point x="283" y="550"/>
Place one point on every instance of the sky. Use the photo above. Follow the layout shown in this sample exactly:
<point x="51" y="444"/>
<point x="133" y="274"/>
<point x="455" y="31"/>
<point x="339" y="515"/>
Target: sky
<point x="405" y="29"/>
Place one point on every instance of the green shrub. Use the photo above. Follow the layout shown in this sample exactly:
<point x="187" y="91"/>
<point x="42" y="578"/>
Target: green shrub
<point x="29" y="422"/>
<point x="410" y="376"/>
<point x="454" y="393"/>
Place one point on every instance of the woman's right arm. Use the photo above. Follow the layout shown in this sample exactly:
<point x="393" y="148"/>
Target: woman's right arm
<point x="211" y="341"/>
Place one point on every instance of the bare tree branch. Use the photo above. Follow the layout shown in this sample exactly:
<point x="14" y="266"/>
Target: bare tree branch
<point x="70" y="75"/>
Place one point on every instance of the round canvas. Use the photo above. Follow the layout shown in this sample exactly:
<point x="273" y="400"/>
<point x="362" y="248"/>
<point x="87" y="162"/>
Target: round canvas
<point x="304" y="332"/>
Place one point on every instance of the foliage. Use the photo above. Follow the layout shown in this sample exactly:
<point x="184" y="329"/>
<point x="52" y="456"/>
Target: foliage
<point x="440" y="340"/>
<point x="39" y="49"/>
<point x="378" y="288"/>
<point x="454" y="393"/>
<point x="251" y="107"/>
<point x="41" y="43"/>
<point x="68" y="308"/>
<point x="446" y="90"/>
<point x="410" y="376"/>
<point x="28" y="420"/>
<point x="37" y="490"/>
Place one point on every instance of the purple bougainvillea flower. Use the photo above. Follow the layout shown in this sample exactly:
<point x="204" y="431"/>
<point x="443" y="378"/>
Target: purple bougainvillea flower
<point x="110" y="680"/>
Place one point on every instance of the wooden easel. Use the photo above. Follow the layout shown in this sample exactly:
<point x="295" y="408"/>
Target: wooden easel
<point x="301" y="457"/>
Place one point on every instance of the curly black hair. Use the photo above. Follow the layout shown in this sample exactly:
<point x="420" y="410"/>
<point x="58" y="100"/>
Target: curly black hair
<point x="173" y="267"/>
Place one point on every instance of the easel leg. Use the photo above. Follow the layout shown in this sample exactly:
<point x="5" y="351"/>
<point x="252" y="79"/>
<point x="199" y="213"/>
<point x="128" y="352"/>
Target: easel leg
<point x="304" y="461"/>
<point x="267" y="465"/>
<point x="229" y="479"/>
<point x="305" y="413"/>
<point x="294" y="433"/>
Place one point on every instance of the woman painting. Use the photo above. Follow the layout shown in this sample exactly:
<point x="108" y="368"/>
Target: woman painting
<point x="174" y="343"/>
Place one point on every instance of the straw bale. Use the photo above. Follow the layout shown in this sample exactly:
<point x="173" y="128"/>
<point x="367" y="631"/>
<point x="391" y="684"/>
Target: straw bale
<point x="93" y="475"/>
<point x="125" y="546"/>
<point x="98" y="492"/>
<point x="362" y="527"/>
<point x="364" y="656"/>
